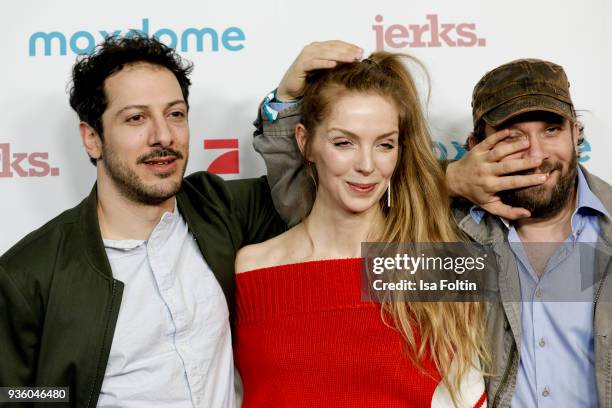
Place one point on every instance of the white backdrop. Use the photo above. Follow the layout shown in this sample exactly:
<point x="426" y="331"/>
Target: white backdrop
<point x="44" y="169"/>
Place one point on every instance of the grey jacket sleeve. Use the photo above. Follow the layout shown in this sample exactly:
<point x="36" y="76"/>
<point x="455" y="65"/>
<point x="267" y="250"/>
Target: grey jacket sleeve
<point x="275" y="142"/>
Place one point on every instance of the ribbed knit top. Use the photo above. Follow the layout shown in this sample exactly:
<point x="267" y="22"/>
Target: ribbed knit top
<point x="304" y="338"/>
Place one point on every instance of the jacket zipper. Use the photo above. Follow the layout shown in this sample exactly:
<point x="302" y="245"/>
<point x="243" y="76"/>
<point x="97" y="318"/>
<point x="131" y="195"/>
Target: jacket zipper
<point x="597" y="295"/>
<point x="98" y="372"/>
<point x="504" y="380"/>
<point x="599" y="289"/>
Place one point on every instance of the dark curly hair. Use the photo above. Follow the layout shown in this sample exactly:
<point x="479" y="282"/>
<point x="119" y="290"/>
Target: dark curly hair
<point x="86" y="92"/>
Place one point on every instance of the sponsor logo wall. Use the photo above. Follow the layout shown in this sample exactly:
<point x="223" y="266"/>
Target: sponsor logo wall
<point x="240" y="51"/>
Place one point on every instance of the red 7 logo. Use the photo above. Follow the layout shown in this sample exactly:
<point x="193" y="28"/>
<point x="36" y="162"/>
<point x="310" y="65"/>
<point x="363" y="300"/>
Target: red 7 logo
<point x="227" y="163"/>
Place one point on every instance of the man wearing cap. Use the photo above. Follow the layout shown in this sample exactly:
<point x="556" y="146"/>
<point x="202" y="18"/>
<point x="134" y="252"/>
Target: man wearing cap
<point x="554" y="347"/>
<point x="522" y="169"/>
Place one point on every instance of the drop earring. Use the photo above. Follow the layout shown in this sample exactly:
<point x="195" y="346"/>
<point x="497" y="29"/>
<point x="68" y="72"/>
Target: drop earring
<point x="389" y="194"/>
<point x="311" y="170"/>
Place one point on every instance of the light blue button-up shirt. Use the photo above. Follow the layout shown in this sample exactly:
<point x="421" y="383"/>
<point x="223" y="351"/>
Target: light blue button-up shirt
<point x="172" y="342"/>
<point x="556" y="366"/>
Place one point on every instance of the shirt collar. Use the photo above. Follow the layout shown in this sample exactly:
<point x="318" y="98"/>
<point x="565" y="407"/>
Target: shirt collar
<point x="167" y="218"/>
<point x="586" y="200"/>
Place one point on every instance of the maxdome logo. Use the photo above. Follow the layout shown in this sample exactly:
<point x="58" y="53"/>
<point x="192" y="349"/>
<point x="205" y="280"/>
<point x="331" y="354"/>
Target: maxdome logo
<point x="190" y="39"/>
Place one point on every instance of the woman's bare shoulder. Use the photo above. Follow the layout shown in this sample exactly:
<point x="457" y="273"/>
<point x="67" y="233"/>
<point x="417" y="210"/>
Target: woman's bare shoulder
<point x="273" y="252"/>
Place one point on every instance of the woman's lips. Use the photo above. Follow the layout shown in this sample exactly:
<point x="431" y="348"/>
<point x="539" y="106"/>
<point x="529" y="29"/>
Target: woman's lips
<point x="361" y="188"/>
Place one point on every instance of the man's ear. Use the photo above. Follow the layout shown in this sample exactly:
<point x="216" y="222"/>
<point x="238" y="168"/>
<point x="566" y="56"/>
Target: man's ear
<point x="471" y="141"/>
<point x="300" y="137"/>
<point x="91" y="140"/>
<point x="576" y="135"/>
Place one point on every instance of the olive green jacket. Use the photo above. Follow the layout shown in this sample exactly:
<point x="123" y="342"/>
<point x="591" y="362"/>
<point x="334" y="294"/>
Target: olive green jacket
<point x="59" y="301"/>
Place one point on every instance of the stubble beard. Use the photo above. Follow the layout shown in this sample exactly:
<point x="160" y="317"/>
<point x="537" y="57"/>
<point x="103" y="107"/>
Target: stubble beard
<point x="132" y="187"/>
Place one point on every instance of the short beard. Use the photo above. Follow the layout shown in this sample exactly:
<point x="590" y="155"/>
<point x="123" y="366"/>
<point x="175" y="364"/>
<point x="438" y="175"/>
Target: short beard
<point x="542" y="204"/>
<point x="131" y="186"/>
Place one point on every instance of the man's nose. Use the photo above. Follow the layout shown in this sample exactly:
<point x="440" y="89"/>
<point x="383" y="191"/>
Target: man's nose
<point x="536" y="148"/>
<point x="160" y="132"/>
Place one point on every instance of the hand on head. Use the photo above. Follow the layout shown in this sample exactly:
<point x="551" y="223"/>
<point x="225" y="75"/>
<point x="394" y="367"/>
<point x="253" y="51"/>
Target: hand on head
<point x="317" y="55"/>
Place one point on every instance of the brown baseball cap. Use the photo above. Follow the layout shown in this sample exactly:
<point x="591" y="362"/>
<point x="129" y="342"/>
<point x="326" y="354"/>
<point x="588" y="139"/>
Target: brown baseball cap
<point x="521" y="86"/>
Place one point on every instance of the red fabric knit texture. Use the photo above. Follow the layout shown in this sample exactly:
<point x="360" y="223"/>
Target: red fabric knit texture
<point x="305" y="339"/>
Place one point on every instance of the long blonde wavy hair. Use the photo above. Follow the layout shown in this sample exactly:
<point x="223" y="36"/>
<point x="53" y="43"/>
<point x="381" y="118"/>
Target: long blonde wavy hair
<point x="453" y="333"/>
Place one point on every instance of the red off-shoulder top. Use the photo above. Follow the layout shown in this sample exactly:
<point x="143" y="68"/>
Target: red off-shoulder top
<point x="304" y="338"/>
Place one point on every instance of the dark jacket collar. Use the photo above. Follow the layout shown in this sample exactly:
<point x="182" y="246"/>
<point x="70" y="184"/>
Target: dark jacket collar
<point x="91" y="237"/>
<point x="204" y="230"/>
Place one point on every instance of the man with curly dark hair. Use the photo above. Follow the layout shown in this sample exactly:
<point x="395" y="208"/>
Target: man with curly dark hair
<point x="125" y="298"/>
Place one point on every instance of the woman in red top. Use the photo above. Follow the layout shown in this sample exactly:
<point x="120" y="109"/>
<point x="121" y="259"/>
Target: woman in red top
<point x="303" y="335"/>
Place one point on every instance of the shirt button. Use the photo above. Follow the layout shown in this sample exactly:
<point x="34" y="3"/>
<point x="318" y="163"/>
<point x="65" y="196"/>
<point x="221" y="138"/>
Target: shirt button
<point x="545" y="392"/>
<point x="538" y="293"/>
<point x="542" y="342"/>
